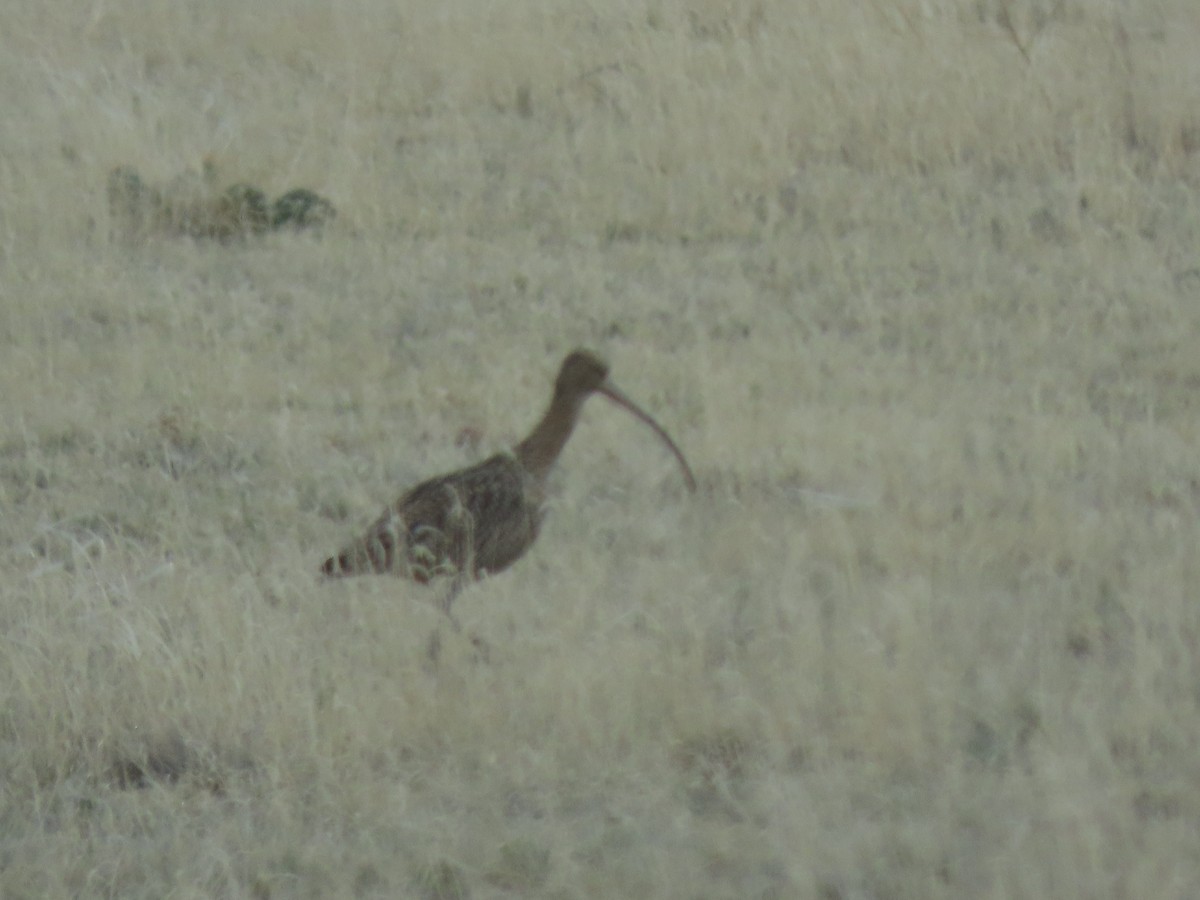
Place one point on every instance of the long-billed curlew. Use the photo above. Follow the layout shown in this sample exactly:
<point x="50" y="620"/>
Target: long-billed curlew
<point x="482" y="519"/>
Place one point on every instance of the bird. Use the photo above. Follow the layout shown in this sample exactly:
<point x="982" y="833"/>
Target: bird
<point x="477" y="521"/>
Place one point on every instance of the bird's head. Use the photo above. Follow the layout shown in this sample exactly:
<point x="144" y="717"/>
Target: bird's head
<point x="582" y="373"/>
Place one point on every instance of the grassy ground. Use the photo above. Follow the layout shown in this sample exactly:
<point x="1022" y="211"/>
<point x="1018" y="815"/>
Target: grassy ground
<point x="915" y="285"/>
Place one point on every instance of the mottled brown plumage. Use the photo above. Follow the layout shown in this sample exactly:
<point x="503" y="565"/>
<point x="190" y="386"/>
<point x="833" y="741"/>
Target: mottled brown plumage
<point x="482" y="519"/>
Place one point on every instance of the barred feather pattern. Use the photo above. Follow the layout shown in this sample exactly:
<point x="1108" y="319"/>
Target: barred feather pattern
<point x="466" y="524"/>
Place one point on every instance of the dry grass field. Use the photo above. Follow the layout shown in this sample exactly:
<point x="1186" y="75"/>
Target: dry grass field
<point x="914" y="283"/>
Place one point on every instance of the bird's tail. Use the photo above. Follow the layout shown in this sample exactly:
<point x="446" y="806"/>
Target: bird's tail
<point x="375" y="553"/>
<point x="360" y="558"/>
<point x="339" y="566"/>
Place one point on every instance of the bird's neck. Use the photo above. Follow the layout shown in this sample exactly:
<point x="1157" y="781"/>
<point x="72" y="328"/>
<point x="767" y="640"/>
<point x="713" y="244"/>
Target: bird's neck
<point x="538" y="452"/>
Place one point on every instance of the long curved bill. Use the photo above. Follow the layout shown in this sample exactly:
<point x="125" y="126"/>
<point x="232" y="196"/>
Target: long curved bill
<point x="609" y="391"/>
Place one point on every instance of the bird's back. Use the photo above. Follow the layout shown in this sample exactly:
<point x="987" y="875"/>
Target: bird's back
<point x="474" y="521"/>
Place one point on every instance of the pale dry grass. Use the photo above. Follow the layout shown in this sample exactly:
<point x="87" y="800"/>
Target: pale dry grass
<point x="917" y="288"/>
